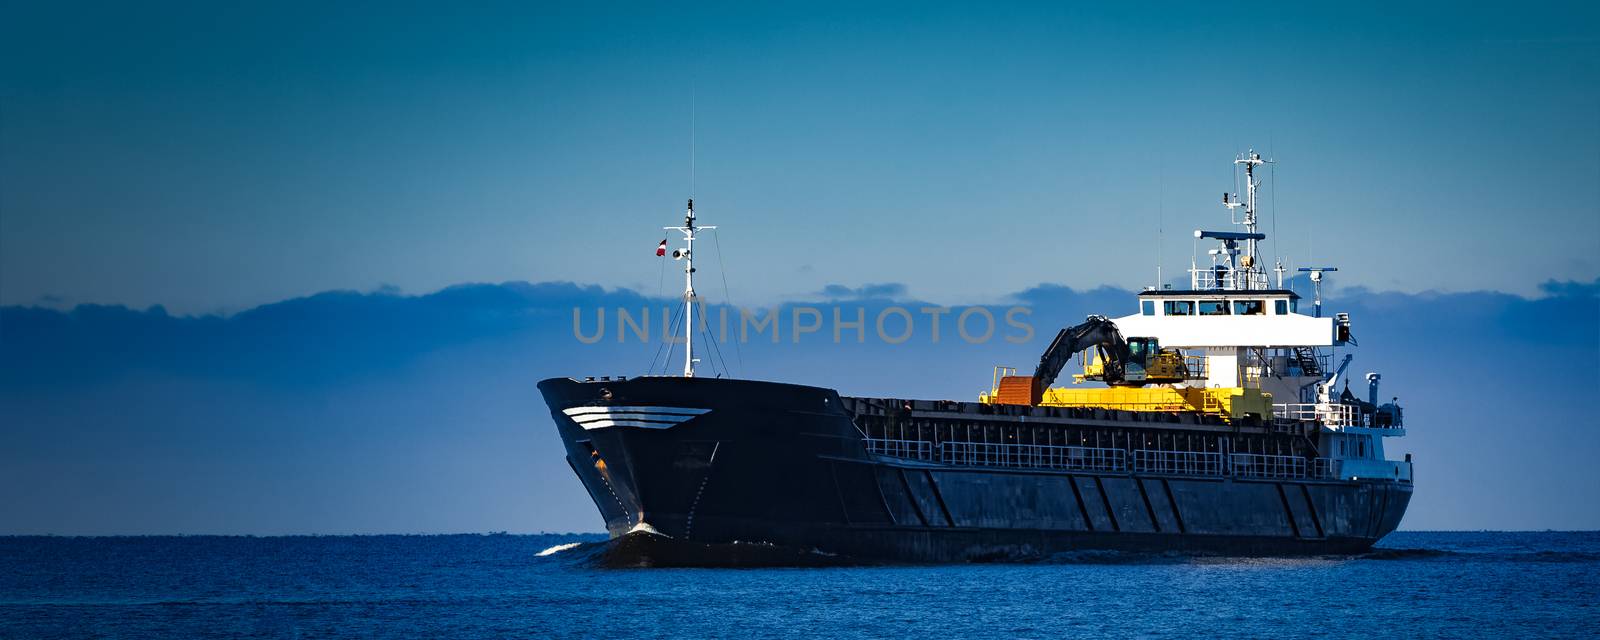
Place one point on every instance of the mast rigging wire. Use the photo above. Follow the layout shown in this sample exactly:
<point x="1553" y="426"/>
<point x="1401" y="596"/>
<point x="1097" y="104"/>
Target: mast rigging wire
<point x="716" y="349"/>
<point x="1272" y="174"/>
<point x="716" y="238"/>
<point x="666" y="343"/>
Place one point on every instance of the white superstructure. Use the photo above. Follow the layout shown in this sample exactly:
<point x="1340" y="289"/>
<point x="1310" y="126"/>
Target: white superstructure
<point x="1252" y="334"/>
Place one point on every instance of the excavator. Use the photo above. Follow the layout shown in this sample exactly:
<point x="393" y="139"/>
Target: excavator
<point x="1120" y="362"/>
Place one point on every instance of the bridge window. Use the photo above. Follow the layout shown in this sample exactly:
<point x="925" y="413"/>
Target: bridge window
<point x="1248" y="307"/>
<point x="1280" y="307"/>
<point x="1147" y="307"/>
<point x="1213" y="307"/>
<point x="1179" y="307"/>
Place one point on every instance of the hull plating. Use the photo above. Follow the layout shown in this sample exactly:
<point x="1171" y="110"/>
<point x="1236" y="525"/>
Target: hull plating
<point x="782" y="464"/>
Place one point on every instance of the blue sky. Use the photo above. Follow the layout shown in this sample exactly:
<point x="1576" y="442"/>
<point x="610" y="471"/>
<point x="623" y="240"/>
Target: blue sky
<point x="209" y="158"/>
<point x="308" y="193"/>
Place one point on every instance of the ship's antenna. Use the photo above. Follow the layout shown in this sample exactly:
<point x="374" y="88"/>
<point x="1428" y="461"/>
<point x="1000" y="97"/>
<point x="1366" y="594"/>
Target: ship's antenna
<point x="1277" y="261"/>
<point x="1161" y="220"/>
<point x="1252" y="247"/>
<point x="691" y="145"/>
<point x="1230" y="270"/>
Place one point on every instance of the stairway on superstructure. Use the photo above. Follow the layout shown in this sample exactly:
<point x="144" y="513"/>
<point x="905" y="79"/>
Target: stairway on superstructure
<point x="1306" y="357"/>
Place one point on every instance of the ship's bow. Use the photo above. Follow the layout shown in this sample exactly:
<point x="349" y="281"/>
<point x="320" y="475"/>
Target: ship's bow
<point x="700" y="459"/>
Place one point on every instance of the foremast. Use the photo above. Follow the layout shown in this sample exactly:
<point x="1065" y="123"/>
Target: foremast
<point x="687" y="256"/>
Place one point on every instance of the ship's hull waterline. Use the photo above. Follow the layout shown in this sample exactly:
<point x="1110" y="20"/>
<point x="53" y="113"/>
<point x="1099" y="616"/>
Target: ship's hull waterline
<point x="703" y="462"/>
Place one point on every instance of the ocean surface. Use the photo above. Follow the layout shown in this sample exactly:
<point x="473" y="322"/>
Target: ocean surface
<point x="1417" y="584"/>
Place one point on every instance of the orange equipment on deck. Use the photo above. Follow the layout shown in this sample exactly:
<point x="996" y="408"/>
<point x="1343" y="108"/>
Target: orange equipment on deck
<point x="1014" y="390"/>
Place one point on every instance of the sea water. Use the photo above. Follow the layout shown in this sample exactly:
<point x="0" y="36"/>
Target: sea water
<point x="1416" y="584"/>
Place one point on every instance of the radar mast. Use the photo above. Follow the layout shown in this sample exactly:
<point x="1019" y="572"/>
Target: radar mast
<point x="1234" y="266"/>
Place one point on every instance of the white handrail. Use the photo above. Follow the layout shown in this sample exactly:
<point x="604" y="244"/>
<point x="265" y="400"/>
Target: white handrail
<point x="1331" y="415"/>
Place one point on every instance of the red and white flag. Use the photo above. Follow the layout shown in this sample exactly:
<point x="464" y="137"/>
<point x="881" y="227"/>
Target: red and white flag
<point x="661" y="249"/>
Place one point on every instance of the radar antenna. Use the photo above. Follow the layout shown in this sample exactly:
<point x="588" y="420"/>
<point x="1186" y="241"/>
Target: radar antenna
<point x="1316" y="285"/>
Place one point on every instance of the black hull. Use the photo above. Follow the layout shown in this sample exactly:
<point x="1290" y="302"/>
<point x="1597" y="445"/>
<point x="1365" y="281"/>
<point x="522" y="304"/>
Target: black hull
<point x="784" y="465"/>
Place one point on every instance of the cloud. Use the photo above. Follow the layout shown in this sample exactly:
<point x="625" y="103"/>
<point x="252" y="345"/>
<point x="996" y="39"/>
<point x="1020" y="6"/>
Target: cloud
<point x="379" y="411"/>
<point x="870" y="291"/>
<point x="303" y="341"/>
<point x="1111" y="300"/>
<point x="1570" y="288"/>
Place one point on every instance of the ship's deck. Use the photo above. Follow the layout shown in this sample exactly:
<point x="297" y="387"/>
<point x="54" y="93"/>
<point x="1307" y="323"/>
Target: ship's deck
<point x="973" y="434"/>
<point x="1076" y="416"/>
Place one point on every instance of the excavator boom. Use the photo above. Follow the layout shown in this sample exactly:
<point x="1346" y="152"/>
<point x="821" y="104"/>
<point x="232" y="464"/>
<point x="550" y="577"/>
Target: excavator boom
<point x="1096" y="331"/>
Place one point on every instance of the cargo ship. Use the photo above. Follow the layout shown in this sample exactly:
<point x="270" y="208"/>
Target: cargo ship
<point x="1212" y="424"/>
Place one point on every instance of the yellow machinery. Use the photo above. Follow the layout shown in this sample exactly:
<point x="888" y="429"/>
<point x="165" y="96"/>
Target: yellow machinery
<point x="1126" y="366"/>
<point x="1119" y="362"/>
<point x="1229" y="402"/>
<point x="1158" y="365"/>
<point x="1234" y="403"/>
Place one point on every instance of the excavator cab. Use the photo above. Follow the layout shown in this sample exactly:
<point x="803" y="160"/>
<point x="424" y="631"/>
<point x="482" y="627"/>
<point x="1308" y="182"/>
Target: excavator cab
<point x="1139" y="350"/>
<point x="1146" y="363"/>
<point x="1165" y="366"/>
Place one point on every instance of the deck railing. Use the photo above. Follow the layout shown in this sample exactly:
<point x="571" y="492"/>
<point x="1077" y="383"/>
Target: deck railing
<point x="911" y="449"/>
<point x="1141" y="461"/>
<point x="1330" y="415"/>
<point x="1188" y="463"/>
<point x="1255" y="465"/>
<point x="1206" y="279"/>
<point x="1033" y="456"/>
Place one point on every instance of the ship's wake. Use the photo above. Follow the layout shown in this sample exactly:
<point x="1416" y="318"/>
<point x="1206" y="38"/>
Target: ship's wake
<point x="1405" y="554"/>
<point x="558" y="549"/>
<point x="644" y="549"/>
<point x="1531" y="555"/>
